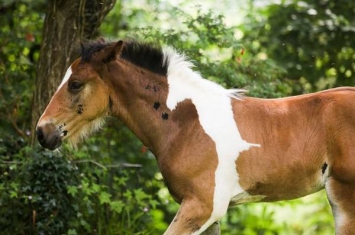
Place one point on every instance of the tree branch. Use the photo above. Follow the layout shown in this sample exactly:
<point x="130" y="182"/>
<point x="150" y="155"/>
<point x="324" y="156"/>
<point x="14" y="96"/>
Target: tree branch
<point x="120" y="165"/>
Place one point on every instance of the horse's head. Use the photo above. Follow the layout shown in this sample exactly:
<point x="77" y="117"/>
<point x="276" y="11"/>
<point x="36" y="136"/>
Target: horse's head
<point x="82" y="100"/>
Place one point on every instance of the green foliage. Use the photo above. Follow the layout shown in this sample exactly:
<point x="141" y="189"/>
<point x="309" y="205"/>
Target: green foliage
<point x="33" y="193"/>
<point x="19" y="48"/>
<point x="311" y="39"/>
<point x="44" y="192"/>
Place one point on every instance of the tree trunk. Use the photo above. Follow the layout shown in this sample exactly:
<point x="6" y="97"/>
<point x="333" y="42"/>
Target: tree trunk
<point x="66" y="24"/>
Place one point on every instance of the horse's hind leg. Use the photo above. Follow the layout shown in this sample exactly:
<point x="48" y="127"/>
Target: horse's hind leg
<point x="339" y="177"/>
<point x="341" y="196"/>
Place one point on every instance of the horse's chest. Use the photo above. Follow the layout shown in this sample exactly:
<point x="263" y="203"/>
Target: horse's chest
<point x="216" y="118"/>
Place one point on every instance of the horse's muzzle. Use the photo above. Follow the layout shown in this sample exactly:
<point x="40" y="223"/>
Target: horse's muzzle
<point x="49" y="136"/>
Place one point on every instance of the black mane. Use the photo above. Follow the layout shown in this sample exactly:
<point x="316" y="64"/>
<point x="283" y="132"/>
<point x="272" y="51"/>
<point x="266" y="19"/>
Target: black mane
<point x="91" y="47"/>
<point x="145" y="55"/>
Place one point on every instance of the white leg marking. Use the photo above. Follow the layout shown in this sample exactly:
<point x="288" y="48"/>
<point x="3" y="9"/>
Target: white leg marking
<point x="214" y="108"/>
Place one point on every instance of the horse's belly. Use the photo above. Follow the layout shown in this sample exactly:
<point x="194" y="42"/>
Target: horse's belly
<point x="281" y="187"/>
<point x="275" y="192"/>
<point x="288" y="174"/>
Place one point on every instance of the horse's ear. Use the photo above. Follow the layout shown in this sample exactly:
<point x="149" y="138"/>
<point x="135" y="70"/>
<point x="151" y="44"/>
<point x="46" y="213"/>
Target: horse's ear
<point x="119" y="47"/>
<point x="113" y="52"/>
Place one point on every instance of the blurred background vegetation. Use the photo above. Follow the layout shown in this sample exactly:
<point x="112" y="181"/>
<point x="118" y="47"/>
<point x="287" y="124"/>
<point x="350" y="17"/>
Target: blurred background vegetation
<point x="112" y="185"/>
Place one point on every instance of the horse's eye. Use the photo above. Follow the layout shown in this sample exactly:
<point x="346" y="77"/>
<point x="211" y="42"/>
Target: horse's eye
<point x="75" y="85"/>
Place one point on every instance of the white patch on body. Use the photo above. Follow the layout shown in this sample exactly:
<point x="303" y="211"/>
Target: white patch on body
<point x="214" y="108"/>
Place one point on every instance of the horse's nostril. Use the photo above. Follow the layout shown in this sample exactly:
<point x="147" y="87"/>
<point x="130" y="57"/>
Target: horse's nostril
<point x="49" y="136"/>
<point x="39" y="133"/>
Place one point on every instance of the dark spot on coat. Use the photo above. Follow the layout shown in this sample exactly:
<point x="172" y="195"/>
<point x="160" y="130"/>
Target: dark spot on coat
<point x="65" y="133"/>
<point x="156" y="105"/>
<point x="147" y="87"/>
<point x="324" y="167"/>
<point x="155" y="89"/>
<point x="80" y="109"/>
<point x="165" y="116"/>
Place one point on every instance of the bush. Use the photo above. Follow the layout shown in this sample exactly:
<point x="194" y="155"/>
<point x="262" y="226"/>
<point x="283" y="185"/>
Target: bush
<point x="34" y="192"/>
<point x="43" y="192"/>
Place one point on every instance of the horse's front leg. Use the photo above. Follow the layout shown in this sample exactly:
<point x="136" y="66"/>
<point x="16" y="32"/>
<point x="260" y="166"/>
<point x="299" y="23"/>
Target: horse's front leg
<point x="194" y="218"/>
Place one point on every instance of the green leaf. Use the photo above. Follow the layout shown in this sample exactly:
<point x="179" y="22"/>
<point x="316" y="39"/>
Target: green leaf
<point x="104" y="197"/>
<point x="140" y="195"/>
<point x="72" y="190"/>
<point x="13" y="194"/>
<point x="117" y="206"/>
<point x="72" y="232"/>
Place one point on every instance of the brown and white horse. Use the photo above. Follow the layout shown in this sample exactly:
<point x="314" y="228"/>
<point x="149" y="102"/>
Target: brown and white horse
<point x="215" y="148"/>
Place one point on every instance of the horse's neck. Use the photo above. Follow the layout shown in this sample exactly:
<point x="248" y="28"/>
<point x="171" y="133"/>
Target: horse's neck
<point x="142" y="107"/>
<point x="157" y="108"/>
<point x="150" y="123"/>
